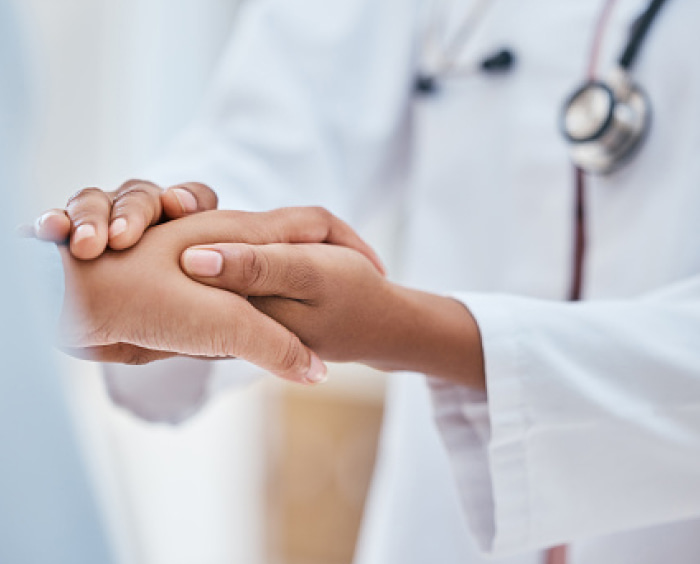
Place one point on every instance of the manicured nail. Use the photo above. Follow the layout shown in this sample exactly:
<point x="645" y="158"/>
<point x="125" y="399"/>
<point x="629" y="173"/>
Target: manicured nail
<point x="201" y="262"/>
<point x="317" y="373"/>
<point x="85" y="231"/>
<point x="118" y="227"/>
<point x="188" y="202"/>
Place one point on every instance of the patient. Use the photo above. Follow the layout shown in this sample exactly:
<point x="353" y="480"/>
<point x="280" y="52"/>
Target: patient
<point x="281" y="289"/>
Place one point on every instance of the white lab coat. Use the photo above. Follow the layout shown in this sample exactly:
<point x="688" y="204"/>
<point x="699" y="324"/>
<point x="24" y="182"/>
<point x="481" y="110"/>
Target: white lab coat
<point x="591" y="429"/>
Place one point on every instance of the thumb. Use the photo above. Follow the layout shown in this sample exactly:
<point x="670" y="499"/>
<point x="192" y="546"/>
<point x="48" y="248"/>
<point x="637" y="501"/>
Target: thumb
<point x="282" y="270"/>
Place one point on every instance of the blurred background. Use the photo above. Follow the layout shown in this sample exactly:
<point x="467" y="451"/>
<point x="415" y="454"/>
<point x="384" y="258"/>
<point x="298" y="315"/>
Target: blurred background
<point x="271" y="473"/>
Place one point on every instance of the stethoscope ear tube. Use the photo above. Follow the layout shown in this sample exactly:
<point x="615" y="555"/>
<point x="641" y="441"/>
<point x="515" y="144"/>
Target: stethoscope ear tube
<point x="605" y="123"/>
<point x="500" y="62"/>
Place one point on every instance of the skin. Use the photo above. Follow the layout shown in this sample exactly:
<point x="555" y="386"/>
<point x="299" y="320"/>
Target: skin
<point x="136" y="305"/>
<point x="95" y="220"/>
<point x="343" y="309"/>
<point x="331" y="298"/>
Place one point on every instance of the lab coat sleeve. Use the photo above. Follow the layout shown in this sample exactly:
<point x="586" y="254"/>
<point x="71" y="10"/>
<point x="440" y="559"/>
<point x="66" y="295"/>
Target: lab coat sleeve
<point x="592" y="422"/>
<point x="305" y="109"/>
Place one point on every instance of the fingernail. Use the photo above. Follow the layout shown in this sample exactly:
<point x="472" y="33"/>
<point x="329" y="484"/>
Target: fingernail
<point x="317" y="373"/>
<point x="118" y="227"/>
<point x="40" y="220"/>
<point x="200" y="262"/>
<point x="85" y="231"/>
<point x="188" y="202"/>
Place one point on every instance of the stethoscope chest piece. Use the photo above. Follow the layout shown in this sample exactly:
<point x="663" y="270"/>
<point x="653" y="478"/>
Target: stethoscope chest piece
<point x="605" y="123"/>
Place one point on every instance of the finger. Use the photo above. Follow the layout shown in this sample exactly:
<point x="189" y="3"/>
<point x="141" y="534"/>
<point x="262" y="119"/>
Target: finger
<point x="266" y="343"/>
<point x="286" y="225"/>
<point x="89" y="211"/>
<point x="185" y="199"/>
<point x="135" y="207"/>
<point x="224" y="325"/>
<point x="255" y="270"/>
<point x="318" y="225"/>
<point x="54" y="226"/>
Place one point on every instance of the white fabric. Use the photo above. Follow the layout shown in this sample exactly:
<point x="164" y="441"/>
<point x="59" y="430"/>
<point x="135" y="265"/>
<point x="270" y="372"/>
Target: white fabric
<point x="587" y="430"/>
<point x="628" y="383"/>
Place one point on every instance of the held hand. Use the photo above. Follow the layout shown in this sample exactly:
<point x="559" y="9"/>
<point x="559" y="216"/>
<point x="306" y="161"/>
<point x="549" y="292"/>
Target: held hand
<point x="95" y="220"/>
<point x="136" y="305"/>
<point x="339" y="306"/>
<point x="331" y="297"/>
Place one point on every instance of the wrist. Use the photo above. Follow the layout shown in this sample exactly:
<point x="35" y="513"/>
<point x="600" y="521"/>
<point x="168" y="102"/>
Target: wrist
<point x="432" y="334"/>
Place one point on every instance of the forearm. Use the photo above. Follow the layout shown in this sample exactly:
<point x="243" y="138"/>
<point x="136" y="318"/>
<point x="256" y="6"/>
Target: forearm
<point x="431" y="334"/>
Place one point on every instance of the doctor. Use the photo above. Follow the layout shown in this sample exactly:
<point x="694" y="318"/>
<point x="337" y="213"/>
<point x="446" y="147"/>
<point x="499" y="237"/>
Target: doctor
<point x="590" y="431"/>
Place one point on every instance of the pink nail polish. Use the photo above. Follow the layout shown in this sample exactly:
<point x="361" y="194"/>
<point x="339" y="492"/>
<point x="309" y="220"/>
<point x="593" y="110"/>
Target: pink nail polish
<point x="188" y="202"/>
<point x="317" y="373"/>
<point x="202" y="262"/>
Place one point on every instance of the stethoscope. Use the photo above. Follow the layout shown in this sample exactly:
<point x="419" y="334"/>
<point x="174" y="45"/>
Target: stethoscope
<point x="442" y="61"/>
<point x="604" y="122"/>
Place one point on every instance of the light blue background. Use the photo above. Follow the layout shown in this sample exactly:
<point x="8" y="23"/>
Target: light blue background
<point x="47" y="513"/>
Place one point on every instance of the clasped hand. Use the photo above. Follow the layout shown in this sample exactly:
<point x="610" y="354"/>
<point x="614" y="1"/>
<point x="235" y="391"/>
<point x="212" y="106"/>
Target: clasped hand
<point x="152" y="274"/>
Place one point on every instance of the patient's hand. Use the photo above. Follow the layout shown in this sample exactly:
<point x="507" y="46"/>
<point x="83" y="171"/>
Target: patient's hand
<point x="137" y="305"/>
<point x="95" y="220"/>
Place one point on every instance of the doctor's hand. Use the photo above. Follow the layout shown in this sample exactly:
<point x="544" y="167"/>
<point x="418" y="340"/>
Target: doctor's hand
<point x="344" y="310"/>
<point x="137" y="305"/>
<point x="95" y="220"/>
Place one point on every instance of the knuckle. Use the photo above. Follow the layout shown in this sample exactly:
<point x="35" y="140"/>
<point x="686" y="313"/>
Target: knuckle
<point x="321" y="214"/>
<point x="87" y="194"/>
<point x="318" y="225"/>
<point x="255" y="268"/>
<point x="291" y="355"/>
<point x="138" y="198"/>
<point x="137" y="182"/>
<point x="139" y="192"/>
